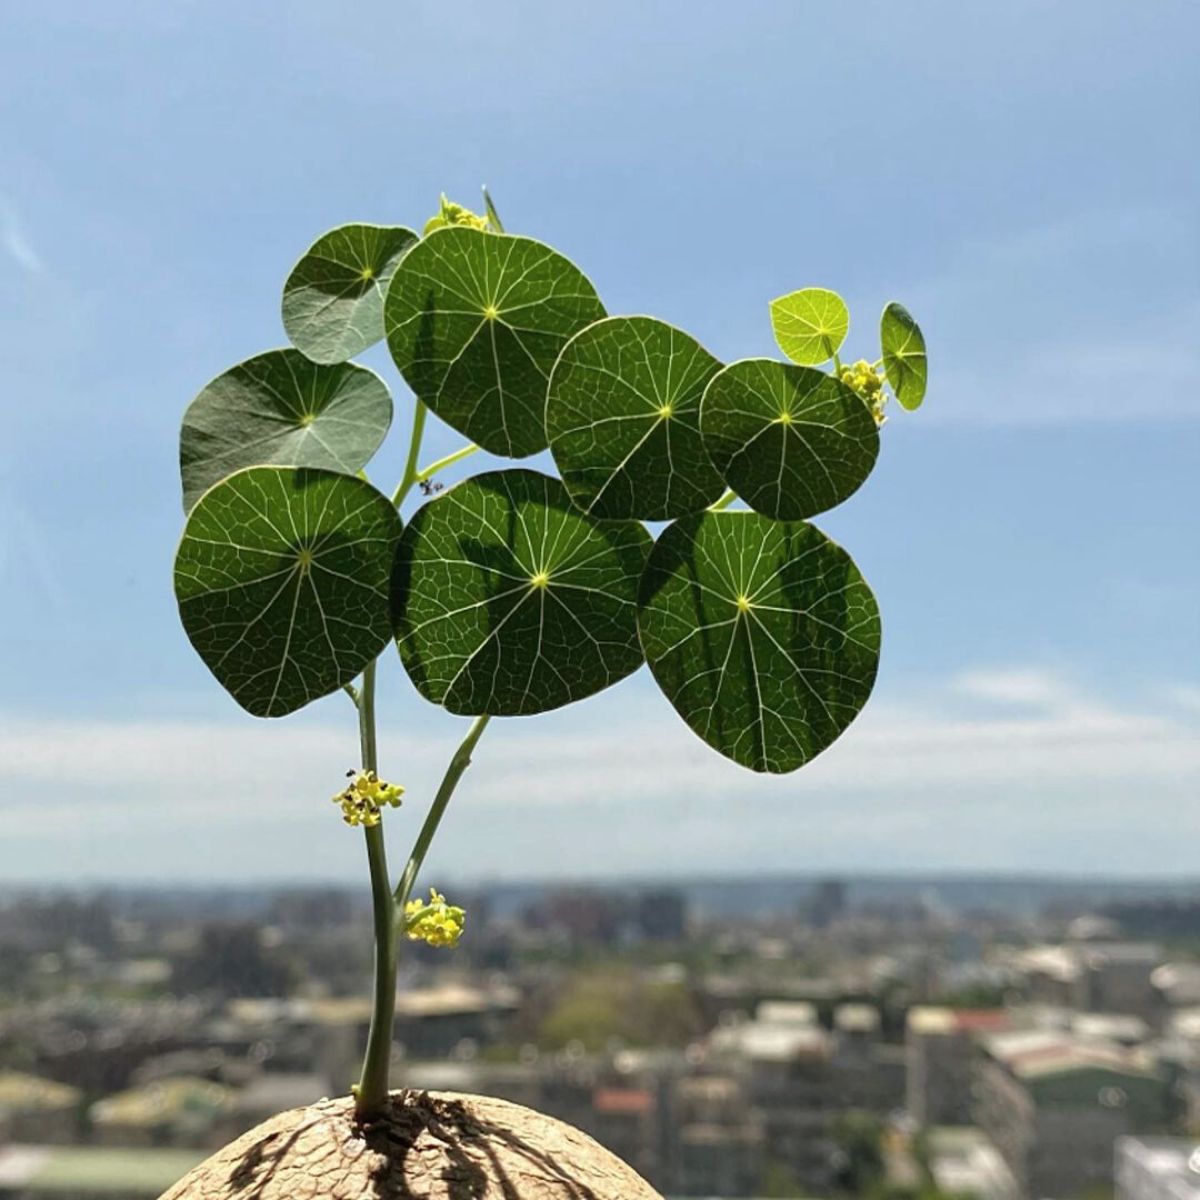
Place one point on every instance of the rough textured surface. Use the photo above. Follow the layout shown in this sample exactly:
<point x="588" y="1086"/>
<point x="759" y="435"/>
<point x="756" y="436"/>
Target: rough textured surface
<point x="430" y="1146"/>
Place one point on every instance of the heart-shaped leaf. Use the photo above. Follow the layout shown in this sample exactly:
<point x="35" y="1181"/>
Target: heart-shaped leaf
<point x="475" y="321"/>
<point x="333" y="299"/>
<point x="623" y="415"/>
<point x="791" y="441"/>
<point x="761" y="633"/>
<point x="509" y="600"/>
<point x="282" y="579"/>
<point x="281" y="409"/>
<point x="904" y="360"/>
<point x="810" y="325"/>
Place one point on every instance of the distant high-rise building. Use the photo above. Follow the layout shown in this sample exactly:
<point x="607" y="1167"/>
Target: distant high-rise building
<point x="661" y="915"/>
<point x="827" y="903"/>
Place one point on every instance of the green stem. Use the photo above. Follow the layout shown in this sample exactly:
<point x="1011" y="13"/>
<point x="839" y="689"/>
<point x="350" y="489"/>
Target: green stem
<point x="372" y="1090"/>
<point x="442" y="463"/>
<point x="724" y="502"/>
<point x="458" y="764"/>
<point x="837" y="363"/>
<point x="414" y="449"/>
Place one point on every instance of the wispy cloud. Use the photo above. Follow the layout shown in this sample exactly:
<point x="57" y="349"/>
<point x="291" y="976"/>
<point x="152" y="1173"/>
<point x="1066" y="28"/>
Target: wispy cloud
<point x="1081" y="320"/>
<point x="16" y="242"/>
<point x="1053" y="775"/>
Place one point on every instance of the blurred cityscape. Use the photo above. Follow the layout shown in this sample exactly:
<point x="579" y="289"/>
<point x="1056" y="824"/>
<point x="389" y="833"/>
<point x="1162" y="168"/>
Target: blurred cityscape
<point x="769" y="1038"/>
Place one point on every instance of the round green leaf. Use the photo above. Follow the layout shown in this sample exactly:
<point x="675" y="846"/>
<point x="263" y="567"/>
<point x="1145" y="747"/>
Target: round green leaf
<point x="279" y="408"/>
<point x="791" y="441"/>
<point x="282" y="579"/>
<point x="904" y="360"/>
<point x="810" y="325"/>
<point x="475" y="321"/>
<point x="623" y="415"/>
<point x="333" y="299"/>
<point x="509" y="600"/>
<point x="761" y="633"/>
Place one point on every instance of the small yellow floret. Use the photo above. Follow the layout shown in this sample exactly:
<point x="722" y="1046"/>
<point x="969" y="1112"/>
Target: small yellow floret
<point x="433" y="921"/>
<point x="365" y="796"/>
<point x="862" y="378"/>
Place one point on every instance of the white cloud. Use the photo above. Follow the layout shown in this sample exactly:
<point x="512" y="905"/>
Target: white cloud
<point x="1015" y="686"/>
<point x="1064" y="778"/>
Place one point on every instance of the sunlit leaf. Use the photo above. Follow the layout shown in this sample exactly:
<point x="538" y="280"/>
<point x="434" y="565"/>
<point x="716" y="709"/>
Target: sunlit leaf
<point x="509" y="600"/>
<point x="333" y="299"/>
<point x="761" y="633"/>
<point x="904" y="360"/>
<point x="623" y="415"/>
<point x="282" y="579"/>
<point x="810" y="325"/>
<point x="281" y="409"/>
<point x="791" y="441"/>
<point x="475" y="321"/>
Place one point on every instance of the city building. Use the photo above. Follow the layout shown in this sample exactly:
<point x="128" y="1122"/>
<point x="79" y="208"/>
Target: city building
<point x="940" y="1049"/>
<point x="1053" y="1105"/>
<point x="37" y="1110"/>
<point x="181" y="1112"/>
<point x="963" y="1162"/>
<point x="1157" y="1169"/>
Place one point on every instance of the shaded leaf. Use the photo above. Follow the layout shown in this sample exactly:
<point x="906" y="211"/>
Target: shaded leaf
<point x="623" y="415"/>
<point x="475" y="321"/>
<point x="281" y="409"/>
<point x="333" y="298"/>
<point x="509" y="600"/>
<point x="282" y="579"/>
<point x="791" y="441"/>
<point x="761" y="633"/>
<point x="493" y="217"/>
<point x="904" y="360"/>
<point x="810" y="325"/>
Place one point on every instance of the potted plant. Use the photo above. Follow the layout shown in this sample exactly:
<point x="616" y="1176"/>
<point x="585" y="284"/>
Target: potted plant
<point x="515" y="592"/>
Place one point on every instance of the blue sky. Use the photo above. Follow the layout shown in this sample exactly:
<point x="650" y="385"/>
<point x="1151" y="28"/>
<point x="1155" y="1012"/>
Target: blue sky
<point x="1023" y="176"/>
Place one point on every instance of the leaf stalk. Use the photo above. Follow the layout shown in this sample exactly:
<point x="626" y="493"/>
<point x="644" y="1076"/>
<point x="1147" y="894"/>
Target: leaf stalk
<point x="427" y="473"/>
<point x="371" y="1093"/>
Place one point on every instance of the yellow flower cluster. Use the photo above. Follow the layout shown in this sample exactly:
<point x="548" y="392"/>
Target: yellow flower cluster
<point x="364" y="796"/>
<point x="455" y="214"/>
<point x="433" y="921"/>
<point x="862" y="378"/>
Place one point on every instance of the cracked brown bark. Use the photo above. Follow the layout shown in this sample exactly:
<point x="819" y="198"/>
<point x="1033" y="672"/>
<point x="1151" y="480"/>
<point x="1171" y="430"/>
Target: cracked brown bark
<point x="427" y="1146"/>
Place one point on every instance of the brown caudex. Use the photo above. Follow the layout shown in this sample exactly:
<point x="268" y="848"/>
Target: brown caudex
<point x="428" y="1146"/>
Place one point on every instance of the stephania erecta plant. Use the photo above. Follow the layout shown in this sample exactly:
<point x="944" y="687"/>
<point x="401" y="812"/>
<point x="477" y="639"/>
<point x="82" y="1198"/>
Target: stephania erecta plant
<point x="515" y="591"/>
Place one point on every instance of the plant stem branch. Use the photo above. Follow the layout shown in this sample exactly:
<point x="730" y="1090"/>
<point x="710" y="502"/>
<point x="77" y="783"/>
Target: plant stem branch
<point x="420" y="412"/>
<point x="458" y="764"/>
<point x="434" y="467"/>
<point x="372" y="1091"/>
<point x="724" y="502"/>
